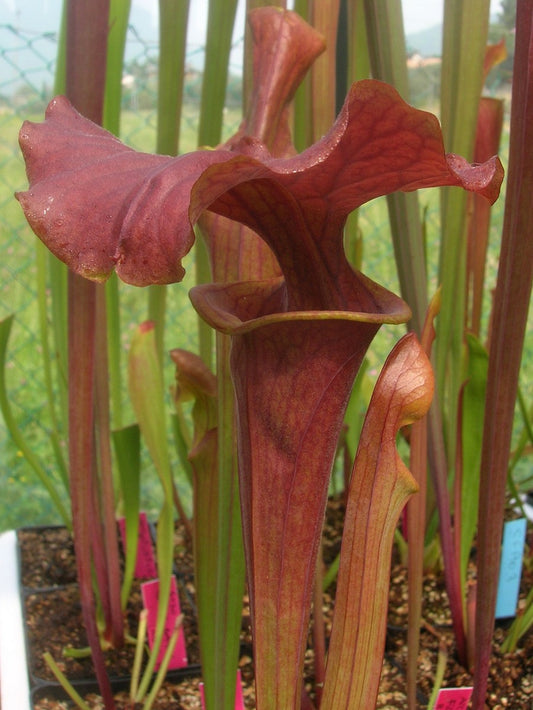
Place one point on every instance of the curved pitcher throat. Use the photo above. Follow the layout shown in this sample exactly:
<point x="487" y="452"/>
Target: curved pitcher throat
<point x="293" y="372"/>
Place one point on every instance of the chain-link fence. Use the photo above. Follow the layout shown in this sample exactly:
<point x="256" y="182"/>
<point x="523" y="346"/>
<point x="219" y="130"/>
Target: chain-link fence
<point x="27" y="65"/>
<point x="22" y="93"/>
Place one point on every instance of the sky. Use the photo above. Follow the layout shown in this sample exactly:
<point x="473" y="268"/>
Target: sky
<point x="43" y="16"/>
<point x="418" y="14"/>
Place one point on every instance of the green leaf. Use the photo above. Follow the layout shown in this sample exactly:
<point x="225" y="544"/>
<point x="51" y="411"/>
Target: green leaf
<point x="145" y="383"/>
<point x="220" y="23"/>
<point x="173" y="15"/>
<point x="522" y="623"/>
<point x="57" y="413"/>
<point x="182" y="443"/>
<point x="127" y="444"/>
<point x="473" y="411"/>
<point x="114" y="349"/>
<point x="64" y="682"/>
<point x="165" y="539"/>
<point x="387" y="49"/>
<point x="464" y="41"/>
<point x="15" y="432"/>
<point x="119" y="11"/>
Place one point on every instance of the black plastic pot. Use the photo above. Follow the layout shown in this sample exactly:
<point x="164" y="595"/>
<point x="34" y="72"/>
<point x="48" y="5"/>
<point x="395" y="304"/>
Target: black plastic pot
<point x="20" y="685"/>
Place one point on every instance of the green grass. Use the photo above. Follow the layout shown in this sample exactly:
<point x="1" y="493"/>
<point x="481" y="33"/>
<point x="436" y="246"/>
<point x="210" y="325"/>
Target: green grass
<point x="23" y="500"/>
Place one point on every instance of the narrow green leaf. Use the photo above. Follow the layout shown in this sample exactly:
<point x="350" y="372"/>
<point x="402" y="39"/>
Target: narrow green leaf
<point x="56" y="433"/>
<point x="357" y="67"/>
<point x="145" y="381"/>
<point x="16" y="434"/>
<point x="387" y="50"/>
<point x="472" y="435"/>
<point x="331" y="573"/>
<point x="57" y="275"/>
<point x="358" y="57"/>
<point x="114" y="348"/>
<point x="54" y="269"/>
<point x="127" y="443"/>
<point x="119" y="12"/>
<point x="527" y="417"/>
<point x="357" y="406"/>
<point x="108" y="547"/>
<point x="229" y="549"/>
<point x="526" y="435"/>
<point x="218" y="553"/>
<point x="173" y="16"/>
<point x="145" y="384"/>
<point x="522" y="623"/>
<point x="464" y="41"/>
<point x="442" y="661"/>
<point x="60" y="73"/>
<point x="220" y="24"/>
<point x="64" y="682"/>
<point x="465" y="32"/>
<point x="182" y="442"/>
<point x="386" y="43"/>
<point x="162" y="670"/>
<point x="165" y="538"/>
<point x="139" y="652"/>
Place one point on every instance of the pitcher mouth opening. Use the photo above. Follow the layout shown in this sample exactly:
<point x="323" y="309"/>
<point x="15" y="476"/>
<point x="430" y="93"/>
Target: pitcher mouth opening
<point x="243" y="306"/>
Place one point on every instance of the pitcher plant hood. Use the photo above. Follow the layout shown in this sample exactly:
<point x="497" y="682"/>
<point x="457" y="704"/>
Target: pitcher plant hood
<point x="99" y="205"/>
<point x="299" y="335"/>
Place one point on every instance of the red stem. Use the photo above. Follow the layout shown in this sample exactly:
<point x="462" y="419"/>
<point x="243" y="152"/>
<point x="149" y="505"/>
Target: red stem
<point x="108" y="548"/>
<point x="82" y="326"/>
<point x="86" y="53"/>
<point x="439" y="470"/>
<point x="511" y="304"/>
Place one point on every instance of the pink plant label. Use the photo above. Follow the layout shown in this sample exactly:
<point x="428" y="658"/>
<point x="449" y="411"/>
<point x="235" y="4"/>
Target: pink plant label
<point x="514" y="537"/>
<point x="145" y="566"/>
<point x="453" y="699"/>
<point x="150" y="595"/>
<point x="239" y="700"/>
